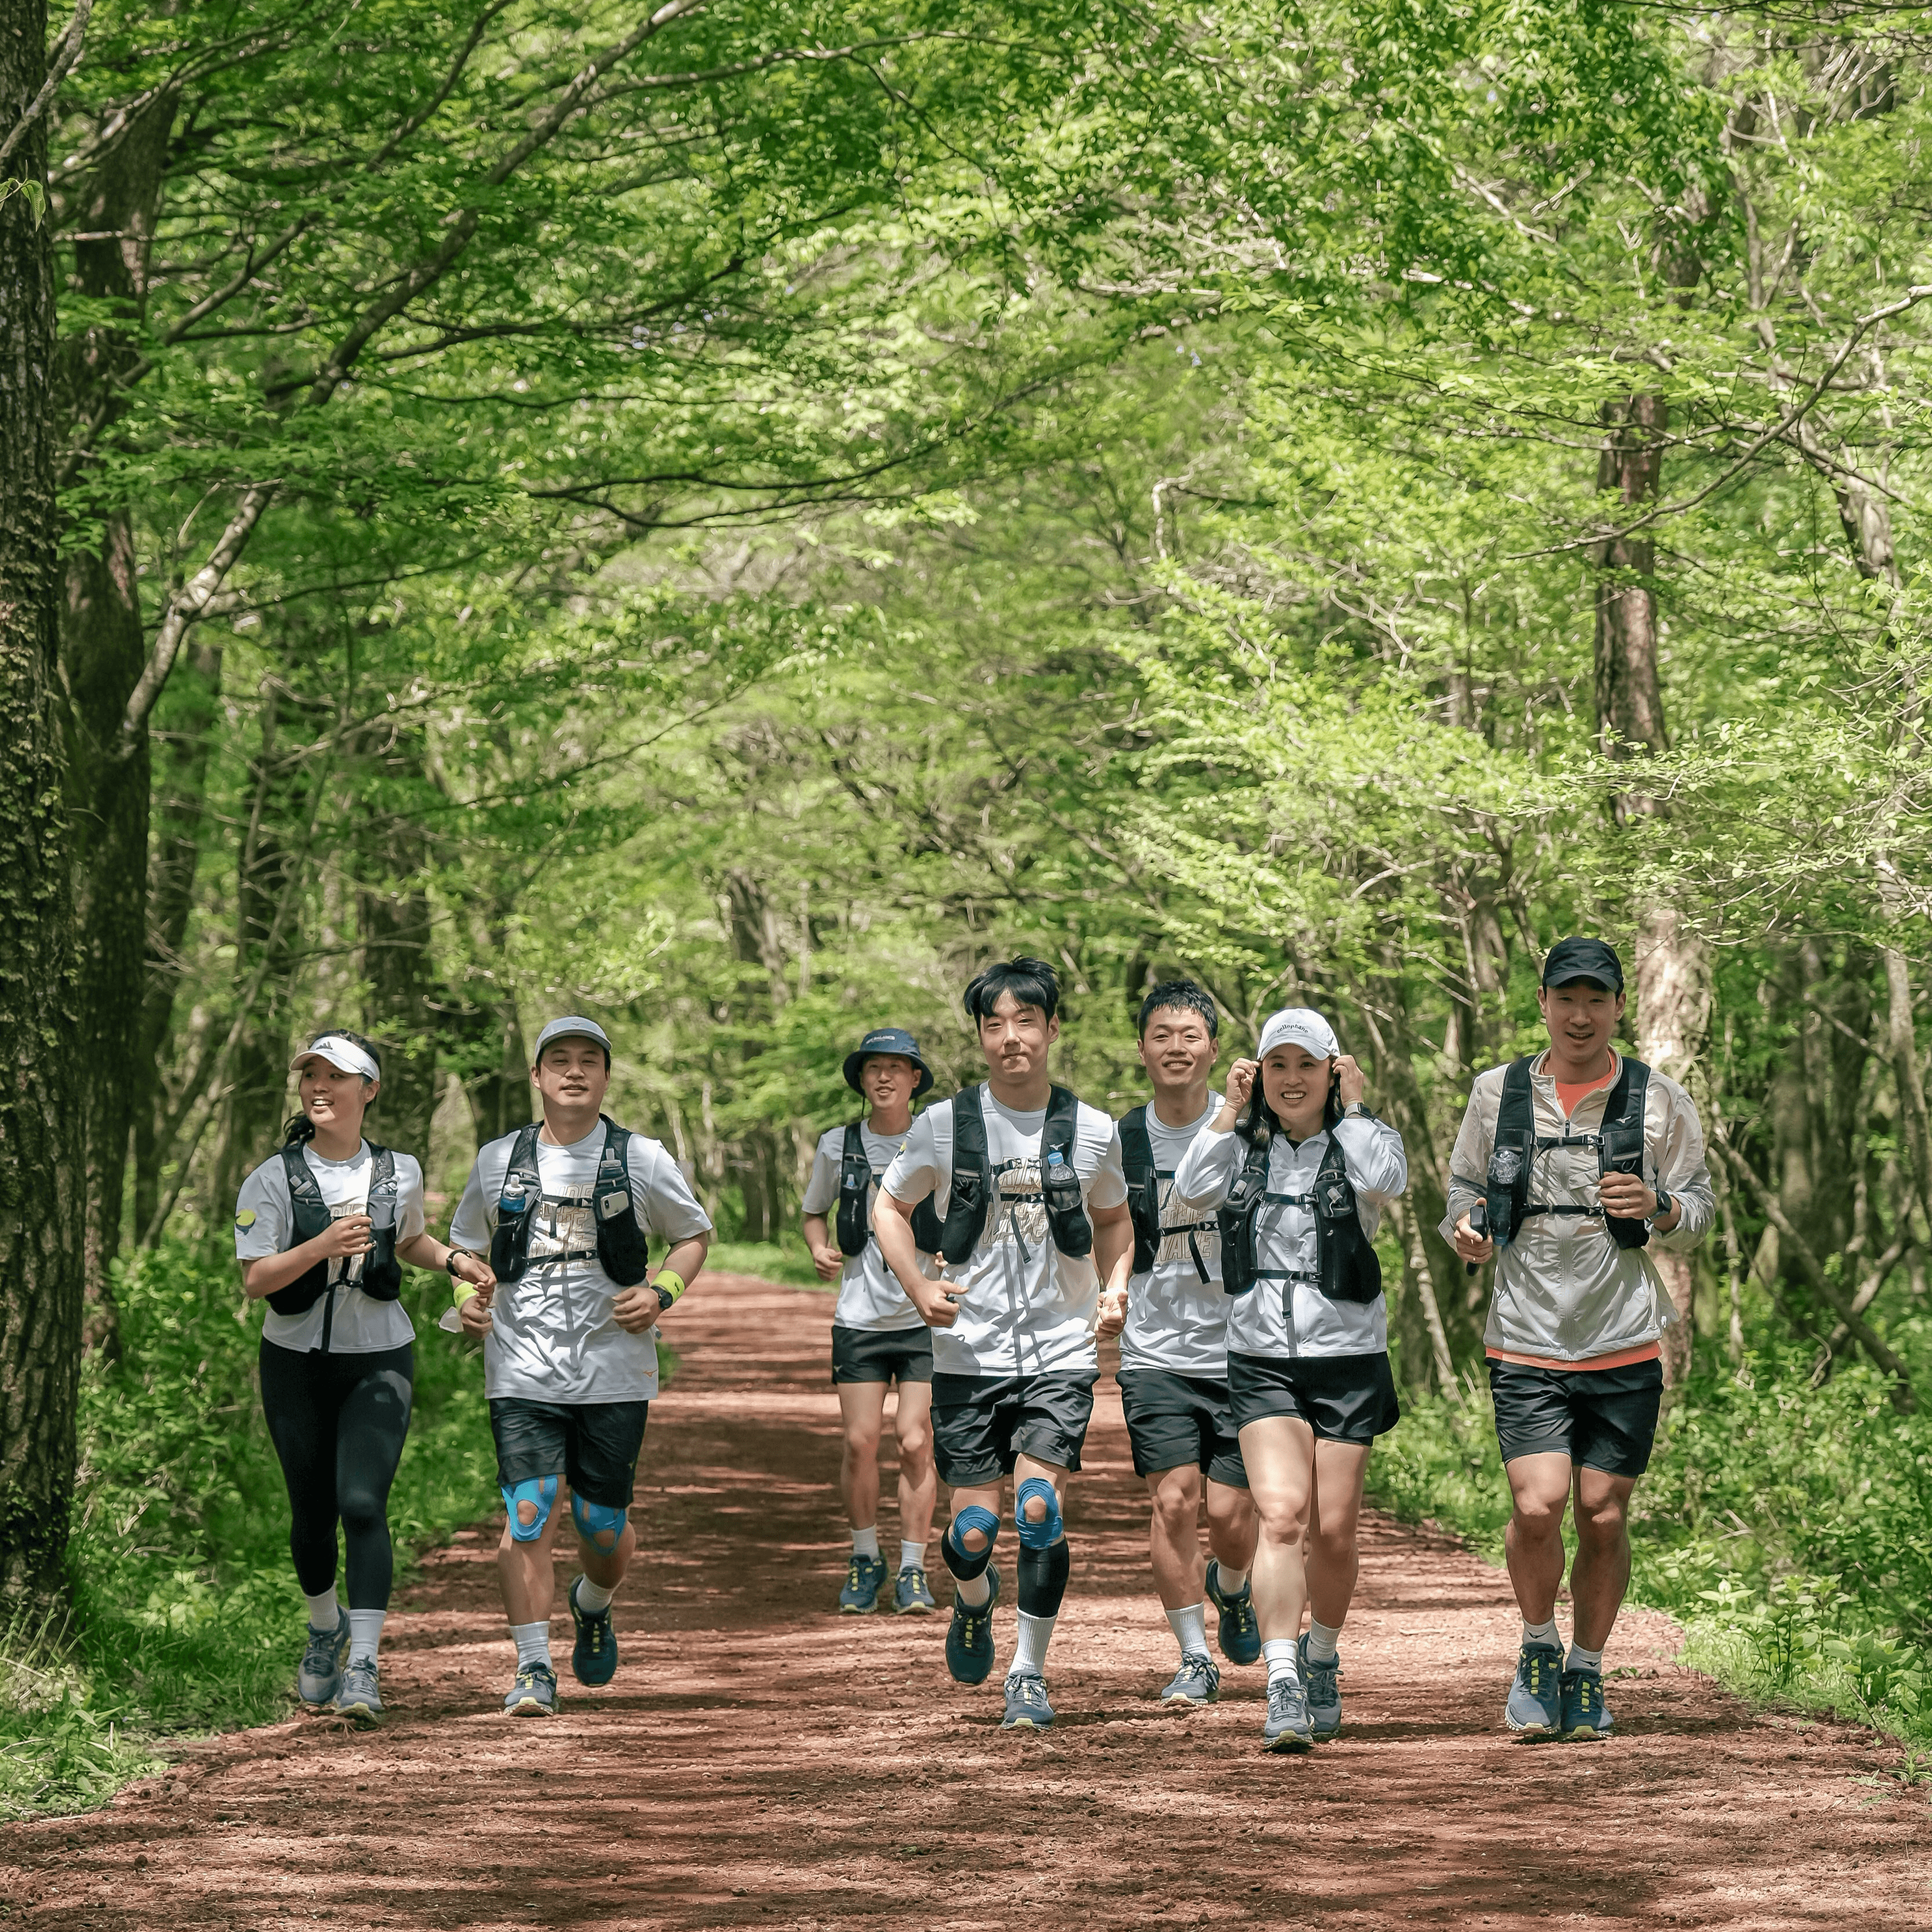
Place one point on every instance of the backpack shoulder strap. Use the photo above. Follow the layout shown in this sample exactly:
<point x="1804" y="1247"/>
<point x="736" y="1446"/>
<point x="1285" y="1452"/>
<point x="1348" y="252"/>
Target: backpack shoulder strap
<point x="301" y="1176"/>
<point x="969" y="1130"/>
<point x="1517" y="1115"/>
<point x="1624" y="1107"/>
<point x="382" y="1168"/>
<point x="1136" y="1147"/>
<point x="617" y="1153"/>
<point x="853" y="1147"/>
<point x="523" y="1161"/>
<point x="1062" y="1120"/>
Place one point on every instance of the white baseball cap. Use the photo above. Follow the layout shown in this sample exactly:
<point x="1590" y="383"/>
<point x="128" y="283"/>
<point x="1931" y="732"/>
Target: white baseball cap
<point x="344" y="1055"/>
<point x="571" y="1026"/>
<point x="1299" y="1026"/>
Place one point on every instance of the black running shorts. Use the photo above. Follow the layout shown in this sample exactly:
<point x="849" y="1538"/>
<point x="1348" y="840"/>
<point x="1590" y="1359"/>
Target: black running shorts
<point x="594" y="1444"/>
<point x="1175" y="1421"/>
<point x="881" y="1354"/>
<point x="1600" y="1418"/>
<point x="982" y="1424"/>
<point x="1342" y="1398"/>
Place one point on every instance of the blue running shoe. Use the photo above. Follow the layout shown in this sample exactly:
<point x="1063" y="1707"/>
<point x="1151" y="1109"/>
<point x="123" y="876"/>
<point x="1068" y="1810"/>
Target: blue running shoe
<point x="319" y="1676"/>
<point x="911" y="1596"/>
<point x="864" y="1577"/>
<point x="1287" y="1728"/>
<point x="1027" y="1707"/>
<point x="593" y="1657"/>
<point x="360" y="1698"/>
<point x="1324" y="1694"/>
<point x="1585" y="1715"/>
<point x="969" y="1639"/>
<point x="1241" y="1634"/>
<point x="1197" y="1682"/>
<point x="534" y="1693"/>
<point x="1535" y="1706"/>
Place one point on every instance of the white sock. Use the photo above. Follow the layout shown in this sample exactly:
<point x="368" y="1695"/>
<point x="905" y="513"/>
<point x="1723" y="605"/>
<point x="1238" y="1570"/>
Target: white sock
<point x="912" y="1555"/>
<point x="532" y="1643"/>
<point x="365" y="1635"/>
<point x="972" y="1590"/>
<point x="1189" y="1627"/>
<point x="324" y="1612"/>
<point x="1580" y="1659"/>
<point x="1543" y="1634"/>
<point x="1036" y="1634"/>
<point x="1278" y="1653"/>
<point x="1321" y="1641"/>
<point x="865" y="1543"/>
<point x="593" y="1597"/>
<point x="1232" y="1581"/>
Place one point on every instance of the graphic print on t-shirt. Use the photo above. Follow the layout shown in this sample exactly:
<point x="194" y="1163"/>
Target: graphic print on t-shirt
<point x="1019" y="1208"/>
<point x="563" y="1225"/>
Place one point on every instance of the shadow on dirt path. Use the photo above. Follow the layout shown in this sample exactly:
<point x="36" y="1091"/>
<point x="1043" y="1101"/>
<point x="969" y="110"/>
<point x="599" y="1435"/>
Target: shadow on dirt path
<point x="758" y="1762"/>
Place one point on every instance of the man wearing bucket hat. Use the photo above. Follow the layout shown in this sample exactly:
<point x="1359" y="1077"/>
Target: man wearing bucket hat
<point x="565" y="1208"/>
<point x="878" y="1337"/>
<point x="1568" y="1164"/>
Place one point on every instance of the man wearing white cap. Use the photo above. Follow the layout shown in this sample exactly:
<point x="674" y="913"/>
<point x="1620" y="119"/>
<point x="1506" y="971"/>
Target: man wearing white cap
<point x="1301" y="1179"/>
<point x="565" y="1208"/>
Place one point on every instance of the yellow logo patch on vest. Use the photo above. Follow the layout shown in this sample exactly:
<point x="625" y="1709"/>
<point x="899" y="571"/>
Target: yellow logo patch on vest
<point x="245" y="1220"/>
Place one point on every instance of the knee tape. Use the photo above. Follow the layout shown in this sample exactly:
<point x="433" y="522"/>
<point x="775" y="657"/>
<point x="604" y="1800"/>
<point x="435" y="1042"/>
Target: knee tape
<point x="1045" y="1533"/>
<point x="540" y="1493"/>
<point x="600" y="1525"/>
<point x="1043" y="1578"/>
<point x="964" y="1563"/>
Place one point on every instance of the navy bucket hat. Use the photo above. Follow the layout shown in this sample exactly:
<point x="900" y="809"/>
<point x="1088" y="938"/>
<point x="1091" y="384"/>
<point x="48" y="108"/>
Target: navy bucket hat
<point x="887" y="1039"/>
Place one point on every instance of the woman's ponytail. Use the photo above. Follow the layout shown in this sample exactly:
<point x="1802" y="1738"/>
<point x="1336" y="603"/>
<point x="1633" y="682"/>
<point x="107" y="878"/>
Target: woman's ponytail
<point x="298" y="1130"/>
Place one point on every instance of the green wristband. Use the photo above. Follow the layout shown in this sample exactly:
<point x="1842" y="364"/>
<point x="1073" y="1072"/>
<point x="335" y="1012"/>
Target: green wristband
<point x="670" y="1282"/>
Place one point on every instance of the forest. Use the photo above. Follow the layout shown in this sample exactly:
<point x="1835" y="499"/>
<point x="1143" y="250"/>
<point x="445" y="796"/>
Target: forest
<point x="727" y="518"/>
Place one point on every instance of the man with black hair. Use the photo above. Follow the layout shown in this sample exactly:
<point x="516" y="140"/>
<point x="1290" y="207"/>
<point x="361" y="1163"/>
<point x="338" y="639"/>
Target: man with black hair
<point x="1173" y="1352"/>
<point x="878" y="1337"/>
<point x="1577" y="1159"/>
<point x="1028" y="1181"/>
<point x="570" y="1365"/>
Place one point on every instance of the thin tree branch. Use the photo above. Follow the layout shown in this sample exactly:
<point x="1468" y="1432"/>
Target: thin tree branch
<point x="66" y="51"/>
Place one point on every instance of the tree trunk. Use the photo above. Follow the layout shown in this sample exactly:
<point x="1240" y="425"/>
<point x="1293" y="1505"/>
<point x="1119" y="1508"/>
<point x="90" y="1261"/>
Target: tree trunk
<point x="41" y="1199"/>
<point x="395" y="930"/>
<point x="755" y="941"/>
<point x="501" y="1098"/>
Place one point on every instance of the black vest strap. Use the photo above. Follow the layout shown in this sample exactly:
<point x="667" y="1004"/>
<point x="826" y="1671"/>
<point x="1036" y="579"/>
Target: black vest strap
<point x="1346" y="1266"/>
<point x="622" y="1250"/>
<point x="1143" y="1187"/>
<point x="1618" y="1142"/>
<point x="855" y="1193"/>
<point x="382" y="1276"/>
<point x="971" y="1191"/>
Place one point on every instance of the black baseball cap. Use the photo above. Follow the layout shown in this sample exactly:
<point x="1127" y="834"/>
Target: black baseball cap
<point x="887" y="1039"/>
<point x="1573" y="959"/>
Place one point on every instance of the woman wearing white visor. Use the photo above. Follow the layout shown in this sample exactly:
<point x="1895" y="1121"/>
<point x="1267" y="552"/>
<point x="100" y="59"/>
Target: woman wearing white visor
<point x="320" y="1228"/>
<point x="1301" y="1171"/>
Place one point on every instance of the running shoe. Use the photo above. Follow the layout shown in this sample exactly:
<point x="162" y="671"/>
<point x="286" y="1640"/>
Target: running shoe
<point x="1585" y="1715"/>
<point x="969" y="1638"/>
<point x="534" y="1693"/>
<point x="1287" y="1728"/>
<point x="1324" y="1694"/>
<point x="864" y="1576"/>
<point x="1240" y="1634"/>
<point x="319" y="1676"/>
<point x="593" y="1657"/>
<point x="911" y="1596"/>
<point x="359" y="1697"/>
<point x="1027" y="1707"/>
<point x="1197" y="1682"/>
<point x="1535" y="1706"/>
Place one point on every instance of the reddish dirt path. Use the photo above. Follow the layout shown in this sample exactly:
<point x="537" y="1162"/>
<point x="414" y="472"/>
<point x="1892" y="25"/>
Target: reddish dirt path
<point x="759" y="1762"/>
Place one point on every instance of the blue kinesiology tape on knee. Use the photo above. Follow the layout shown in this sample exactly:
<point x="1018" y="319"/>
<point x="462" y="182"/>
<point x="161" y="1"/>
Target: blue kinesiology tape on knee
<point x="540" y="1493"/>
<point x="598" y="1524"/>
<point x="964" y="1563"/>
<point x="1043" y="1578"/>
<point x="1045" y="1533"/>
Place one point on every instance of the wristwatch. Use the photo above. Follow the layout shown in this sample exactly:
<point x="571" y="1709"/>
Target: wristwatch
<point x="1355" y="1111"/>
<point x="666" y="1300"/>
<point x="1664" y="1204"/>
<point x="450" y="1260"/>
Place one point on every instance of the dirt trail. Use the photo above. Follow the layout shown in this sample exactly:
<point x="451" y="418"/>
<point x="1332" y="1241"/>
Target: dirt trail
<point x="757" y="1762"/>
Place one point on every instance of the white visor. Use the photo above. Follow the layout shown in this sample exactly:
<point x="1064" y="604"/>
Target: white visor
<point x="344" y="1055"/>
<point x="1299" y="1026"/>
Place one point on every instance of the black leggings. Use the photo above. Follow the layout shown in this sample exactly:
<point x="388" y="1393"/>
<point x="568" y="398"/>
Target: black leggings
<point x="338" y="1422"/>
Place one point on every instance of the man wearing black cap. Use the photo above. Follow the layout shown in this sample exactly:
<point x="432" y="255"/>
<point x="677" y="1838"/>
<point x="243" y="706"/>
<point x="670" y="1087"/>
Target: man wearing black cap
<point x="878" y="1337"/>
<point x="1575" y="1159"/>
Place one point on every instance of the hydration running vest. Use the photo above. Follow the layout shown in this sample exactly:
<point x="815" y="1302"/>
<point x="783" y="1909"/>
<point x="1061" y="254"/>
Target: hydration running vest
<point x="622" y="1250"/>
<point x="1144" y="1180"/>
<point x="1619" y="1145"/>
<point x="855" y="1201"/>
<point x="974" y="1176"/>
<point x="381" y="1276"/>
<point x="1347" y="1267"/>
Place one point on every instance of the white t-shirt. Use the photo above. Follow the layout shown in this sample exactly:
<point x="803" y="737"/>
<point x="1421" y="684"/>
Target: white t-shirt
<point x="1176" y="1321"/>
<point x="360" y="1325"/>
<point x="1024" y="1306"/>
<point x="553" y="1337"/>
<point x="1295" y="1319"/>
<point x="869" y="1293"/>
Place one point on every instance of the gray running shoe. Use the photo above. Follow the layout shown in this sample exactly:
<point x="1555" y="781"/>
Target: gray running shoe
<point x="1585" y="1715"/>
<point x="1287" y="1729"/>
<point x="1197" y="1682"/>
<point x="534" y="1693"/>
<point x="911" y="1596"/>
<point x="1324" y="1694"/>
<point x="1535" y="1706"/>
<point x="1027" y="1707"/>
<point x="319" y="1676"/>
<point x="360" y="1697"/>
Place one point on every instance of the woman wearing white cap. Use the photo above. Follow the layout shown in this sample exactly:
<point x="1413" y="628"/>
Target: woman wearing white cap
<point x="320" y="1228"/>
<point x="1304" y="1177"/>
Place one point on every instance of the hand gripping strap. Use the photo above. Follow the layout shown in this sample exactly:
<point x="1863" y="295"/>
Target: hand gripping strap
<point x="1045" y="1533"/>
<point x="540" y="1493"/>
<point x="964" y="1563"/>
<point x="598" y="1524"/>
